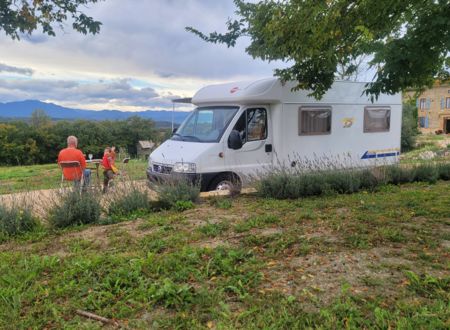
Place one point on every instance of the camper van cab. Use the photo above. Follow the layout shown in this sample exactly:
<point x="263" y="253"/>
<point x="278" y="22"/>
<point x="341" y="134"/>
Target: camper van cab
<point x="242" y="129"/>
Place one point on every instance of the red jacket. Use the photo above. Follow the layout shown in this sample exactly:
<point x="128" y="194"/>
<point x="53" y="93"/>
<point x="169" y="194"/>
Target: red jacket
<point x="106" y="162"/>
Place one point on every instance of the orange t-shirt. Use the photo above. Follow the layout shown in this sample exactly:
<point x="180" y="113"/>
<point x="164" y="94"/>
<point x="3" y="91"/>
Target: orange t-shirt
<point x="72" y="155"/>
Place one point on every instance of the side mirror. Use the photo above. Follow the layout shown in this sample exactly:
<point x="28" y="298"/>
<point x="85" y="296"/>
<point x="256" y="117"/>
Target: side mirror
<point x="174" y="130"/>
<point x="234" y="140"/>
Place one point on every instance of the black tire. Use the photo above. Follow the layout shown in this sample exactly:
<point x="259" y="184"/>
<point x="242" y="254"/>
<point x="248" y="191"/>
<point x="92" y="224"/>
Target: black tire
<point x="224" y="182"/>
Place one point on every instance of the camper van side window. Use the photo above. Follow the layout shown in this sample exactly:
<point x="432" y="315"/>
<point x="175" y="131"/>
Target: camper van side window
<point x="377" y="119"/>
<point x="256" y="124"/>
<point x="252" y="125"/>
<point x="314" y="121"/>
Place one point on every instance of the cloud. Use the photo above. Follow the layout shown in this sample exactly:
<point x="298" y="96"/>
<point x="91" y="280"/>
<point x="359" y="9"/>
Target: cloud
<point x="14" y="69"/>
<point x="150" y="45"/>
<point x="104" y="94"/>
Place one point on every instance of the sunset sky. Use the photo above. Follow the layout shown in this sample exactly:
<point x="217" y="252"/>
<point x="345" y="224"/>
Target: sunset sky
<point x="142" y="58"/>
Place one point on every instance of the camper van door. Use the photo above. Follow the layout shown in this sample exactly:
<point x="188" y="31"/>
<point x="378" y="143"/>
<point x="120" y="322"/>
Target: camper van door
<point x="255" y="155"/>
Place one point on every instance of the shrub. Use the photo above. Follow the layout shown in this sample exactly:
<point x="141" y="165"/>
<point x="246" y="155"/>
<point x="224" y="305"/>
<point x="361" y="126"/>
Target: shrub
<point x="75" y="209"/>
<point x="16" y="220"/>
<point x="130" y="201"/>
<point x="397" y="175"/>
<point x="171" y="192"/>
<point x="426" y="173"/>
<point x="443" y="170"/>
<point x="369" y="181"/>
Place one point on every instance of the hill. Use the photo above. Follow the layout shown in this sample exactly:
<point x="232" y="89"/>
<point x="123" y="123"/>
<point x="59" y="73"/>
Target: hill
<point x="24" y="109"/>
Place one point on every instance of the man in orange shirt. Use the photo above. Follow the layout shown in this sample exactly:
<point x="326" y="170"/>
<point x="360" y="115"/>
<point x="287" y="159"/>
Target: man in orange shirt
<point x="72" y="154"/>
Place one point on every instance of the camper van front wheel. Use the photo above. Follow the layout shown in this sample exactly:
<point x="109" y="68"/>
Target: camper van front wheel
<point x="226" y="182"/>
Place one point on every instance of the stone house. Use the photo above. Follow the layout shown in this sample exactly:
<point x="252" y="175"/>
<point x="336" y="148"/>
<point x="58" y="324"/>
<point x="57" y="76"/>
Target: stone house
<point x="433" y="108"/>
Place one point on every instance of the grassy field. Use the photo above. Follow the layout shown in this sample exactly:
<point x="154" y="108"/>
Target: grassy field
<point x="36" y="177"/>
<point x="367" y="260"/>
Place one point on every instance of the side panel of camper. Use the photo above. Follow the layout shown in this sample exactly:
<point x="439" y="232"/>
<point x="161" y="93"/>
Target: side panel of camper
<point x="340" y="135"/>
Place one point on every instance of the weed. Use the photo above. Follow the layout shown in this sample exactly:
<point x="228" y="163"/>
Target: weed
<point x="221" y="203"/>
<point x="256" y="222"/>
<point x="213" y="229"/>
<point x="181" y="205"/>
<point x="429" y="286"/>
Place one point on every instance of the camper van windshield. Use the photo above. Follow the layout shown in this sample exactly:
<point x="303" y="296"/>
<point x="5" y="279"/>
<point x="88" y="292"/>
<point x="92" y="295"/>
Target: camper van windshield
<point x="205" y="124"/>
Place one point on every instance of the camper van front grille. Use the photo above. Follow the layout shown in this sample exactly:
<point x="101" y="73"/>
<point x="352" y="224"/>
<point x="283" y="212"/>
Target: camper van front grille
<point x="164" y="169"/>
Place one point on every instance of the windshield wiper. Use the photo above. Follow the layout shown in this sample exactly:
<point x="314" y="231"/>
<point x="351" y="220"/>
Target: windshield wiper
<point x="192" y="137"/>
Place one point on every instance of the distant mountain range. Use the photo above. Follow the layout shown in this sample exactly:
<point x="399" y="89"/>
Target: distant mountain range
<point x="24" y="109"/>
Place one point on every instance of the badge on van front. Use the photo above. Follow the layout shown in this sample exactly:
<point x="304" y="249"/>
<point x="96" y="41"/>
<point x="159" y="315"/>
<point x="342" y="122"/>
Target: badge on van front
<point x="234" y="90"/>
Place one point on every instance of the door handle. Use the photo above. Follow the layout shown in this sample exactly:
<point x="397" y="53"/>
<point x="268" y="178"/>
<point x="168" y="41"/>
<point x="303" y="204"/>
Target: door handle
<point x="268" y="147"/>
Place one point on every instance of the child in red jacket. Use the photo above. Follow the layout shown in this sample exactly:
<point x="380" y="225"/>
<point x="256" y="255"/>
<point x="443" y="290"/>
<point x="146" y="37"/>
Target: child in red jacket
<point x="108" y="168"/>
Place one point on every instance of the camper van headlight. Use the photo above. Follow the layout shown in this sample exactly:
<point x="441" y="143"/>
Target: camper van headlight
<point x="184" y="168"/>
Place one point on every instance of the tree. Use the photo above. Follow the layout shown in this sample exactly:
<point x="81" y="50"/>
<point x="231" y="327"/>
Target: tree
<point x="40" y="119"/>
<point x="25" y="16"/>
<point x="408" y="41"/>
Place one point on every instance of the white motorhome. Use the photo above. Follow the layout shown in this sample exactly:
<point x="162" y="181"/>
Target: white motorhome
<point x="239" y="129"/>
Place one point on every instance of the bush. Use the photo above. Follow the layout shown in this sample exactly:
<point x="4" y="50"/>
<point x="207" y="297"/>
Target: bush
<point x="171" y="192"/>
<point x="443" y="170"/>
<point x="397" y="175"/>
<point x="75" y="209"/>
<point x="283" y="185"/>
<point x="130" y="201"/>
<point x="426" y="173"/>
<point x="369" y="181"/>
<point x="16" y="220"/>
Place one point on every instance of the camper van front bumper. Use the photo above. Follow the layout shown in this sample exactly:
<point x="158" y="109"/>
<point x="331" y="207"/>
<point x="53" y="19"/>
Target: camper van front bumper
<point x="195" y="178"/>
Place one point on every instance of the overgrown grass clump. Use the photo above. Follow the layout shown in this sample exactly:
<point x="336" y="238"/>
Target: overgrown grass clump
<point x="283" y="184"/>
<point x="130" y="201"/>
<point x="15" y="221"/>
<point x="75" y="208"/>
<point x="178" y="194"/>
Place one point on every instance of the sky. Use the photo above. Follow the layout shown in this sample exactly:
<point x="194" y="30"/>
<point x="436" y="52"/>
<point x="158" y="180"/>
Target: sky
<point x="141" y="59"/>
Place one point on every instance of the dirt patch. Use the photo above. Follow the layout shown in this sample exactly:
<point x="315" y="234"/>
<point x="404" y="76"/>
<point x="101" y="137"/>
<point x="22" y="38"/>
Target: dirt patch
<point x="323" y="275"/>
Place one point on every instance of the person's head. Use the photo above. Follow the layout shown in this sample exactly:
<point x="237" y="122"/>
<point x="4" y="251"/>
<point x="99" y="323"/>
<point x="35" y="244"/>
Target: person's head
<point x="72" y="141"/>
<point x="107" y="150"/>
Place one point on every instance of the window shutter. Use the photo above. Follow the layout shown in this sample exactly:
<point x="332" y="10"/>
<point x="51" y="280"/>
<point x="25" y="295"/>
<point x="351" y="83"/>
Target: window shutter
<point x="428" y="103"/>
<point x="442" y="103"/>
<point x="417" y="103"/>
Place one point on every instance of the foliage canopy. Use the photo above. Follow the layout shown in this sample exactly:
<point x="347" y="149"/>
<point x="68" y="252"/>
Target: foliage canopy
<point x="408" y="41"/>
<point x="24" y="16"/>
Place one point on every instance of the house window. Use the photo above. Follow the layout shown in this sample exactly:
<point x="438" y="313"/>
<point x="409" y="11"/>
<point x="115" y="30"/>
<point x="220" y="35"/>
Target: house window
<point x="422" y="122"/>
<point x="377" y="119"/>
<point x="422" y="104"/>
<point x="252" y="125"/>
<point x="314" y="120"/>
<point x="447" y="102"/>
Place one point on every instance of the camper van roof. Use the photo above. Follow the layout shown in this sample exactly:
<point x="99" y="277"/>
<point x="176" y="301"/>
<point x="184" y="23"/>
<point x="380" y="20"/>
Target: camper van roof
<point x="270" y="90"/>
